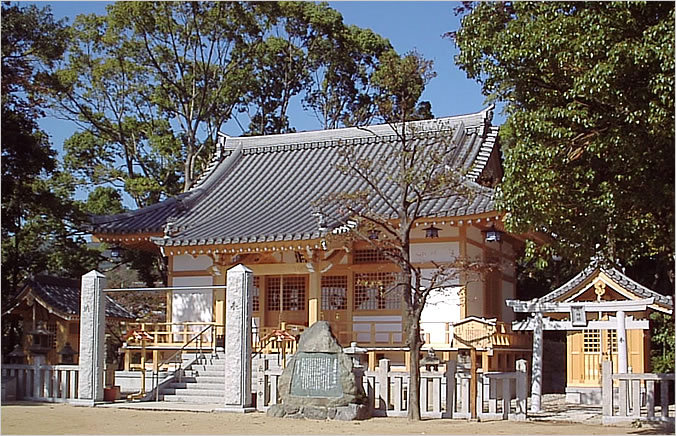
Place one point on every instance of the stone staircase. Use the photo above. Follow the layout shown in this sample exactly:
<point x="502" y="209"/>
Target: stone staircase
<point x="202" y="382"/>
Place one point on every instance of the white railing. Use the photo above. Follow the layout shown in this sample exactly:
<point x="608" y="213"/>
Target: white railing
<point x="48" y="383"/>
<point x="442" y="395"/>
<point x="636" y="399"/>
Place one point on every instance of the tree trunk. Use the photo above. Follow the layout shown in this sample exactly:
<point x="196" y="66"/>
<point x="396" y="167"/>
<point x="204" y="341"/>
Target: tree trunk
<point x="414" y="369"/>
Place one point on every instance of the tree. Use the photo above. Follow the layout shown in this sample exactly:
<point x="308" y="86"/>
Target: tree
<point x="395" y="189"/>
<point x="151" y="83"/>
<point x="39" y="219"/>
<point x="589" y="92"/>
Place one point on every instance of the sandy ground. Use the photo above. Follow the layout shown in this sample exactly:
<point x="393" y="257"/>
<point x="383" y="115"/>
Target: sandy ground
<point x="34" y="418"/>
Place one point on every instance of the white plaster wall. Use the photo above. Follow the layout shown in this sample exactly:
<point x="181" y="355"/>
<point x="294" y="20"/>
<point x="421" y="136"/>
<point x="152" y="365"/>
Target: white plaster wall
<point x="474" y="253"/>
<point x="435" y="252"/>
<point x="508" y="292"/>
<point x="474" y="298"/>
<point x="192" y="305"/>
<point x="186" y="262"/>
<point x="474" y="234"/>
<point x="443" y="306"/>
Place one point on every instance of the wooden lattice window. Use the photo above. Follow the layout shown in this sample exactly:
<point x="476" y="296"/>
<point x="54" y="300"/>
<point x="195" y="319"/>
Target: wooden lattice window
<point x="51" y="327"/>
<point x="334" y="292"/>
<point x="256" y="294"/>
<point x="591" y="341"/>
<point x="369" y="256"/>
<point x="612" y="341"/>
<point x="272" y="290"/>
<point x="292" y="293"/>
<point x="374" y="291"/>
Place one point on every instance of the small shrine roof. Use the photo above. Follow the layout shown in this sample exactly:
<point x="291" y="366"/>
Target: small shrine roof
<point x="596" y="267"/>
<point x="63" y="297"/>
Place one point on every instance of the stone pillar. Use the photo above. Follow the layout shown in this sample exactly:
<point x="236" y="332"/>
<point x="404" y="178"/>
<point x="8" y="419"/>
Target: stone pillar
<point x="238" y="340"/>
<point x="92" y="339"/>
<point x="536" y="374"/>
<point x="622" y="367"/>
<point x="521" y="389"/>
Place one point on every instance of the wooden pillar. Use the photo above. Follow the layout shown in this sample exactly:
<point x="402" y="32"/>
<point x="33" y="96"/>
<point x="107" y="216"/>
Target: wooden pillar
<point x="315" y="295"/>
<point x="485" y="362"/>
<point x="372" y="360"/>
<point x="472" y="384"/>
<point x="536" y="373"/>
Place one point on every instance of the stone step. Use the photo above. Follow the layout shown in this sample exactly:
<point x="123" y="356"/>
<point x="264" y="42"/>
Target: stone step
<point x="204" y="379"/>
<point x="209" y="370"/>
<point x="192" y="399"/>
<point x="194" y="392"/>
<point x="205" y="386"/>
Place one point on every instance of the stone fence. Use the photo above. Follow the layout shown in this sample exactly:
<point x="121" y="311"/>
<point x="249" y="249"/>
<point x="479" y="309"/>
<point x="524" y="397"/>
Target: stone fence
<point x="632" y="397"/>
<point x="500" y="395"/>
<point x="47" y="383"/>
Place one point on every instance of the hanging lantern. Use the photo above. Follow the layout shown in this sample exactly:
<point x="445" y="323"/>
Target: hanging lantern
<point x="432" y="232"/>
<point x="492" y="234"/>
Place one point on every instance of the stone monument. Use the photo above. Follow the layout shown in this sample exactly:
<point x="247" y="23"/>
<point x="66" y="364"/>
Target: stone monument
<point x="318" y="382"/>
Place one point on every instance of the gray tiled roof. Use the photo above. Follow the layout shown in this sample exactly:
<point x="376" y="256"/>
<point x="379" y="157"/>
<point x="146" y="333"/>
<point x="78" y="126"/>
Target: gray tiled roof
<point x="613" y="273"/>
<point x="63" y="295"/>
<point x="151" y="219"/>
<point x="263" y="188"/>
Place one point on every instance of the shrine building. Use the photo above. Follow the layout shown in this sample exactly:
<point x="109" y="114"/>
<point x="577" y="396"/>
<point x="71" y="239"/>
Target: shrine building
<point x="256" y="205"/>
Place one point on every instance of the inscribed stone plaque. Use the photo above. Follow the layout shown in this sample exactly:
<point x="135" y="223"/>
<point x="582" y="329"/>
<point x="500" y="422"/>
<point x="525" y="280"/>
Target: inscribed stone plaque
<point x="316" y="375"/>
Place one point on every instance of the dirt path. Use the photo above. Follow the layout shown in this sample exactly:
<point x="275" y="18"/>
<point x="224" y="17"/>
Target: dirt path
<point x="32" y="418"/>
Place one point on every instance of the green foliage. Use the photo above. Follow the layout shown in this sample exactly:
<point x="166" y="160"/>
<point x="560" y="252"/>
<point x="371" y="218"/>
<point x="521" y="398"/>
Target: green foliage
<point x="400" y="80"/>
<point x="151" y="83"/>
<point x="589" y="136"/>
<point x="39" y="220"/>
<point x="662" y="339"/>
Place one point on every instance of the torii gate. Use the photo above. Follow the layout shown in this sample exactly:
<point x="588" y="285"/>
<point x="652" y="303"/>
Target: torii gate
<point x="578" y="321"/>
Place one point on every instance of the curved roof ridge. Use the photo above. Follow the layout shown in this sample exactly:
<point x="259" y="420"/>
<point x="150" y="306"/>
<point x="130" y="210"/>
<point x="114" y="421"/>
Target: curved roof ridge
<point x="472" y="120"/>
<point x="602" y="265"/>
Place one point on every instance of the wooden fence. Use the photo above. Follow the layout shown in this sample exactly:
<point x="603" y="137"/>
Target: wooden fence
<point x="500" y="395"/>
<point x="636" y="396"/>
<point x="47" y="383"/>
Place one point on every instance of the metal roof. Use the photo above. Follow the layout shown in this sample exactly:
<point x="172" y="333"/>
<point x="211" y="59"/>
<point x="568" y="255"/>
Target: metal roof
<point x="63" y="296"/>
<point x="263" y="188"/>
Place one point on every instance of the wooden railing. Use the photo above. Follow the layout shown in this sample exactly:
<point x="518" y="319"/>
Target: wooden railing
<point x="636" y="400"/>
<point x="46" y="383"/>
<point x="442" y="394"/>
<point x="174" y="335"/>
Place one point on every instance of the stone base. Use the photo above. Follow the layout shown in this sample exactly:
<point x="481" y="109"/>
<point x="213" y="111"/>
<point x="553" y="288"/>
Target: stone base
<point x="583" y="395"/>
<point x="84" y="403"/>
<point x="351" y="412"/>
<point x="235" y="409"/>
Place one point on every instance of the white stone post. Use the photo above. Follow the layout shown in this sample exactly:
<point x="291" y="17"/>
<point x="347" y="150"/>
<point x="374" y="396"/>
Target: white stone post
<point x="536" y="368"/>
<point x="521" y="389"/>
<point x="621" y="343"/>
<point x="238" y="314"/>
<point x="92" y="339"/>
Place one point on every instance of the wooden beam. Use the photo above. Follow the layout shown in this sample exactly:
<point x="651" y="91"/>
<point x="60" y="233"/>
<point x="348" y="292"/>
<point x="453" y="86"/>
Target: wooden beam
<point x="589" y="306"/>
